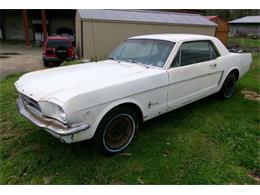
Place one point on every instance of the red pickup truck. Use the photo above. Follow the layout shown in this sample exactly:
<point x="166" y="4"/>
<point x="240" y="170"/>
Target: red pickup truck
<point x="57" y="49"/>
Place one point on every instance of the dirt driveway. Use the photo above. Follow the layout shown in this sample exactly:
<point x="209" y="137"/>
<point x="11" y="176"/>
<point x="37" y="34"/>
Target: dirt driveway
<point x="14" y="58"/>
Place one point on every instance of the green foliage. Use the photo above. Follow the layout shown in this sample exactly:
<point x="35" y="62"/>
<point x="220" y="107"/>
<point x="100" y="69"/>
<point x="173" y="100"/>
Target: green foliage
<point x="246" y="42"/>
<point x="230" y="14"/>
<point x="251" y="80"/>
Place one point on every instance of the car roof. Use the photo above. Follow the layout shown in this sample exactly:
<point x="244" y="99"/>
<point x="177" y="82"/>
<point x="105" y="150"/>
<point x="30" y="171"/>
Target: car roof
<point x="174" y="37"/>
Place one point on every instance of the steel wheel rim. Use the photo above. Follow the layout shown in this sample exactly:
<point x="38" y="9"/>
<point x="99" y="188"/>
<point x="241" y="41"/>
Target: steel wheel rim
<point x="119" y="132"/>
<point x="229" y="87"/>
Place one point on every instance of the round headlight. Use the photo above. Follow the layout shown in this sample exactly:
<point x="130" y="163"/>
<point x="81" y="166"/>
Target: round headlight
<point x="62" y="114"/>
<point x="52" y="110"/>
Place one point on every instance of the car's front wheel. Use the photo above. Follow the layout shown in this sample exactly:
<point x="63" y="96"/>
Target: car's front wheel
<point x="116" y="130"/>
<point x="228" y="87"/>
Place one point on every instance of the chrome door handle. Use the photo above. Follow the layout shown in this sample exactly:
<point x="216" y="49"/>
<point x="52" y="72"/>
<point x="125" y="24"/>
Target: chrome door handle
<point x="213" y="65"/>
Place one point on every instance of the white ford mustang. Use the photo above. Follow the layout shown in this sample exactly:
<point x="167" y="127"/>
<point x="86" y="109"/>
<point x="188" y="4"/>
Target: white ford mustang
<point x="144" y="77"/>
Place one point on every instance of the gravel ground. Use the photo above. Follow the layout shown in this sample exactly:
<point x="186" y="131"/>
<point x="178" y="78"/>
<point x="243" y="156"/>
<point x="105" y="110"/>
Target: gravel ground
<point x="14" y="58"/>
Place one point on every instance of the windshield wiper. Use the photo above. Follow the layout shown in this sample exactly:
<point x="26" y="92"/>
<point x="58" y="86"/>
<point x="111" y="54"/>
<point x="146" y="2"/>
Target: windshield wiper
<point x="136" y="62"/>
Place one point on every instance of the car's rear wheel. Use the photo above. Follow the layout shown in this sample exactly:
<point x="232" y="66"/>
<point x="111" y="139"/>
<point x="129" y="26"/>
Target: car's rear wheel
<point x="228" y="87"/>
<point x="58" y="63"/>
<point x="45" y="63"/>
<point x="116" y="130"/>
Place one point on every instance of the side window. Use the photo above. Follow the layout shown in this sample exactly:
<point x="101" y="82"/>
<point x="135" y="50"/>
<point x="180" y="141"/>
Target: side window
<point x="194" y="52"/>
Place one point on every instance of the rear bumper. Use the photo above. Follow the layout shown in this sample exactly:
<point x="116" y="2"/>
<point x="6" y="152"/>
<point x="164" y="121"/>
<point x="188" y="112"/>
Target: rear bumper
<point x="52" y="126"/>
<point x="55" y="59"/>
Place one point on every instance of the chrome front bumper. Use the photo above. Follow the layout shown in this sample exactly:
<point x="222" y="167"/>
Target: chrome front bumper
<point x="53" y="126"/>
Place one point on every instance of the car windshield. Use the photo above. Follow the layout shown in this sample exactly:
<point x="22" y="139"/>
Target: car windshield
<point x="53" y="43"/>
<point x="144" y="51"/>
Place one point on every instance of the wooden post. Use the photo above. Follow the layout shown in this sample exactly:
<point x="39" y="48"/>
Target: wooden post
<point x="44" y="23"/>
<point x="26" y="28"/>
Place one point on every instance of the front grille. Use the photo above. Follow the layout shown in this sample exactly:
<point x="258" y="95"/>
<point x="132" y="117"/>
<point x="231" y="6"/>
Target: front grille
<point x="31" y="104"/>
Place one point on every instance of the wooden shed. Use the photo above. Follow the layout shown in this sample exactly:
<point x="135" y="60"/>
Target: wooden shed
<point x="98" y="32"/>
<point x="222" y="29"/>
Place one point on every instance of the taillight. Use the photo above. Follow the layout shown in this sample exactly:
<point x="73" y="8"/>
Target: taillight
<point x="70" y="52"/>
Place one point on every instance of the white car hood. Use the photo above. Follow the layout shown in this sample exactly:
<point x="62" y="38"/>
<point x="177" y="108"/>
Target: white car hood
<point x="41" y="85"/>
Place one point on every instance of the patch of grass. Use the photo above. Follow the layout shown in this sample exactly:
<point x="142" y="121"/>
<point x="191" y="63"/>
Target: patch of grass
<point x="251" y="81"/>
<point x="73" y="62"/>
<point x="247" y="42"/>
<point x="207" y="142"/>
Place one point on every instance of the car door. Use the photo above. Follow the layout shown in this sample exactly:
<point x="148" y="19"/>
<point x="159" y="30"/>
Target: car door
<point x="193" y="74"/>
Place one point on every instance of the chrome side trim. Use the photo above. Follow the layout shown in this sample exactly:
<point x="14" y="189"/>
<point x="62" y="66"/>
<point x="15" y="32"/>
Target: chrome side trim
<point x="49" y="123"/>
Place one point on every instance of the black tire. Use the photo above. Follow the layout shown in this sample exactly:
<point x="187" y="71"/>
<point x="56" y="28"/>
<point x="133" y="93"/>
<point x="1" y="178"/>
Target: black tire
<point x="58" y="63"/>
<point x="228" y="87"/>
<point x="116" y="130"/>
<point x="45" y="63"/>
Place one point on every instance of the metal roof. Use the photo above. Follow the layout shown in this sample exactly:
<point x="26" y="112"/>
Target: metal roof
<point x="247" y="19"/>
<point x="145" y="16"/>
